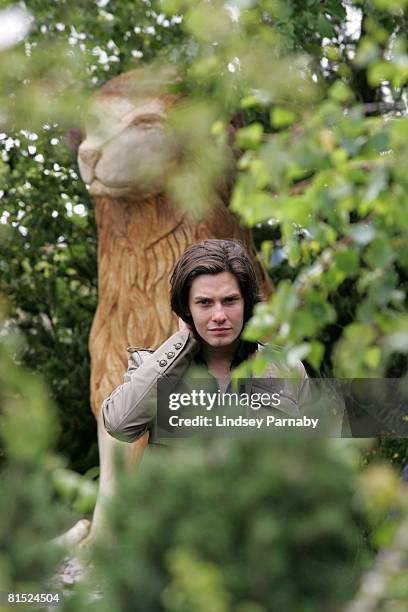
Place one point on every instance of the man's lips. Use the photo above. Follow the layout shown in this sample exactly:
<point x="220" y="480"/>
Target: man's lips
<point x="217" y="329"/>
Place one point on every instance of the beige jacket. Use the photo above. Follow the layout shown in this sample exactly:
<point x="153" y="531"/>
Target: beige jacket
<point x="131" y="409"/>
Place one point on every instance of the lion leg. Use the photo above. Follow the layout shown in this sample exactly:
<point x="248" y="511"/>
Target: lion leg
<point x="108" y="447"/>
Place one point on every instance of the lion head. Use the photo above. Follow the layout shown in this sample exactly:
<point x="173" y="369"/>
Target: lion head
<point x="127" y="151"/>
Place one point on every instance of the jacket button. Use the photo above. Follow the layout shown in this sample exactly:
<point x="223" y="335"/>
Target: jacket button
<point x="178" y="345"/>
<point x="162" y="363"/>
<point x="170" y="355"/>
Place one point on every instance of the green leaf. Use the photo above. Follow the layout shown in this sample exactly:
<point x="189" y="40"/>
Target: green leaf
<point x="281" y="117"/>
<point x="340" y="92"/>
<point x="249" y="137"/>
<point x="238" y="199"/>
<point x="347" y="261"/>
<point x="325" y="27"/>
<point x="377" y="183"/>
<point x="316" y="354"/>
<point x="379" y="253"/>
<point x="208" y="23"/>
<point x="362" y="233"/>
<point x="372" y="357"/>
<point x="391" y="6"/>
<point x="381" y="287"/>
<point x="284" y="301"/>
<point x="304" y="324"/>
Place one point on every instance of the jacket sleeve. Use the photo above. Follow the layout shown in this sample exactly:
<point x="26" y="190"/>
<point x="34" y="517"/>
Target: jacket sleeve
<point x="131" y="408"/>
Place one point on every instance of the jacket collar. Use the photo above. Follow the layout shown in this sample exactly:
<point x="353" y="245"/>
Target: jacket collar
<point x="245" y="349"/>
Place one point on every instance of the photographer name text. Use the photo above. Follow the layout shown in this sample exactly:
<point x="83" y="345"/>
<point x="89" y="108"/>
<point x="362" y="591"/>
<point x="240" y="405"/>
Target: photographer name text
<point x="200" y="421"/>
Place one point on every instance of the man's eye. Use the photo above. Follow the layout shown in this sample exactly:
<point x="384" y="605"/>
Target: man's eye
<point x="204" y="302"/>
<point x="231" y="299"/>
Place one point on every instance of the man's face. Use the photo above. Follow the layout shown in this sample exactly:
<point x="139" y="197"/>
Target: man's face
<point x="217" y="307"/>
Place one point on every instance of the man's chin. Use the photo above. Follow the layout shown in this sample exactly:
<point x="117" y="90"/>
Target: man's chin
<point x="221" y="341"/>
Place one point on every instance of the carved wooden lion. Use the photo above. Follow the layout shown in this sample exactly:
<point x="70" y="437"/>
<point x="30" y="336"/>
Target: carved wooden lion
<point x="126" y="159"/>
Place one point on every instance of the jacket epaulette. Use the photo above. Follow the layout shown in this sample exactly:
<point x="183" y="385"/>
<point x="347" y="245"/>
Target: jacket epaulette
<point x="133" y="349"/>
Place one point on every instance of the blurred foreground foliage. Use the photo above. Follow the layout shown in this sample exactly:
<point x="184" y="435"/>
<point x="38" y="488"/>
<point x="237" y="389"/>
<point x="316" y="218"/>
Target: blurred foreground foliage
<point x="30" y="513"/>
<point x="219" y="524"/>
<point x="204" y="543"/>
<point x="239" y="526"/>
<point x="312" y="101"/>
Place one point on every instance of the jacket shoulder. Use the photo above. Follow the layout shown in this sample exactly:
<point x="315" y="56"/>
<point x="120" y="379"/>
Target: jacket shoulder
<point x="295" y="391"/>
<point x="274" y="369"/>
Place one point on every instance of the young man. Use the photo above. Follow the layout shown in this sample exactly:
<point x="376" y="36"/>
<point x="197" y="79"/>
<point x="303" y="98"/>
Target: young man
<point x="213" y="291"/>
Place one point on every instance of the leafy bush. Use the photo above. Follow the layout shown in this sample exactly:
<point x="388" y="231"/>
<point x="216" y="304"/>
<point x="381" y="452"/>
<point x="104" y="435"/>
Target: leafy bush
<point x="233" y="525"/>
<point x="49" y="273"/>
<point x="29" y="512"/>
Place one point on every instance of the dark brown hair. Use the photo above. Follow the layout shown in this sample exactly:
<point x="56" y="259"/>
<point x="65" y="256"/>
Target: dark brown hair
<point x="213" y="257"/>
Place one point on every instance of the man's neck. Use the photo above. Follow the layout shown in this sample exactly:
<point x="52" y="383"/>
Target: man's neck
<point x="219" y="359"/>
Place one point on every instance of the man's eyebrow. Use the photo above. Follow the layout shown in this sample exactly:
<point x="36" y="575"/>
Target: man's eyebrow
<point x="206" y="297"/>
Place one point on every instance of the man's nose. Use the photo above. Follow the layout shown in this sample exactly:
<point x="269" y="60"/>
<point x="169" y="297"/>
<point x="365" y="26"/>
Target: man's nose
<point x="218" y="314"/>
